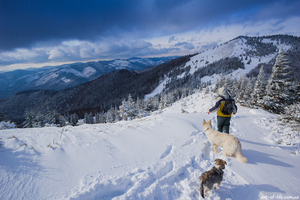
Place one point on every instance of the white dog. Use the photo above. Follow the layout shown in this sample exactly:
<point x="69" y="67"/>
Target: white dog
<point x="231" y="145"/>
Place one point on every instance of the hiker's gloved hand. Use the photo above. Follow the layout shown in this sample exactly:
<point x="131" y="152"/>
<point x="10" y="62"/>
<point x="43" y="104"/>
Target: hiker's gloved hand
<point x="208" y="112"/>
<point x="233" y="113"/>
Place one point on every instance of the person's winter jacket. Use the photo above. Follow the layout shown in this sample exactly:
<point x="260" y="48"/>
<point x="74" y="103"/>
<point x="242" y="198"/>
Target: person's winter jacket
<point x="223" y="94"/>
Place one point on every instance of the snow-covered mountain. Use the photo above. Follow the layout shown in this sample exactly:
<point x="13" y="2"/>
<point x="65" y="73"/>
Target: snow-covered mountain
<point x="157" y="157"/>
<point x="235" y="58"/>
<point x="65" y="76"/>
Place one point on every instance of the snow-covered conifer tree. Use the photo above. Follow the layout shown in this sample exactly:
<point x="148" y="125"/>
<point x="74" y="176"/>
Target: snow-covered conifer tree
<point x="98" y="118"/>
<point x="217" y="85"/>
<point x="52" y="117"/>
<point x="228" y="83"/>
<point x="6" y="125"/>
<point x="140" y="107"/>
<point x="292" y="112"/>
<point x="128" y="109"/>
<point x="117" y="114"/>
<point x="29" y="119"/>
<point x="74" y="119"/>
<point x="248" y="89"/>
<point x="241" y="88"/>
<point x="163" y="101"/>
<point x="123" y="110"/>
<point x="222" y="80"/>
<point x="234" y="87"/>
<point x="88" y="118"/>
<point x="259" y="90"/>
<point x="110" y="115"/>
<point x="103" y="119"/>
<point x="67" y="117"/>
<point x="280" y="86"/>
<point x="207" y="90"/>
<point x="170" y="98"/>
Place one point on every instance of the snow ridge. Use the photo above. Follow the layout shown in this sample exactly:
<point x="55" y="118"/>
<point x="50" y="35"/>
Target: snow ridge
<point x="157" y="157"/>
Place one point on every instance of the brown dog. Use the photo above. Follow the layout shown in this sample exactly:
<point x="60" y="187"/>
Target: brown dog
<point x="209" y="178"/>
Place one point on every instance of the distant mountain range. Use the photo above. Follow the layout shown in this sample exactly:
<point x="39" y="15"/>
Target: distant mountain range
<point x="235" y="58"/>
<point x="65" y="76"/>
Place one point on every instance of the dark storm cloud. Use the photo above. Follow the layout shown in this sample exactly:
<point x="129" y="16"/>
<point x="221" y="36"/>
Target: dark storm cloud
<point x="24" y="23"/>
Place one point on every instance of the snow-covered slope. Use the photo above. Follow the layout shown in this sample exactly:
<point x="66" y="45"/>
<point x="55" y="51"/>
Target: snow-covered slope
<point x="240" y="48"/>
<point x="157" y="157"/>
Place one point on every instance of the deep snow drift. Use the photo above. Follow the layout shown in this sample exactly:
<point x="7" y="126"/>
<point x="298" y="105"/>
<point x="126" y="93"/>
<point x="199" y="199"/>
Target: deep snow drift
<point x="157" y="157"/>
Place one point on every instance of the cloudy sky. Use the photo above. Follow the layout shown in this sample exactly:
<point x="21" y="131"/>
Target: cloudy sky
<point x="36" y="33"/>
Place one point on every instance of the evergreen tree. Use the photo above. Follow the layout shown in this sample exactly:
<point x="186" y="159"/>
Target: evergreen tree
<point x="98" y="117"/>
<point x="217" y="85"/>
<point x="117" y="114"/>
<point x="280" y="86"/>
<point x="140" y="107"/>
<point x="207" y="90"/>
<point x="152" y="103"/>
<point x="292" y="112"/>
<point x="237" y="87"/>
<point x="170" y="97"/>
<point x="242" y="88"/>
<point x="163" y="101"/>
<point x="29" y="119"/>
<point x="222" y="80"/>
<point x="88" y="118"/>
<point x="234" y="87"/>
<point x="39" y="120"/>
<point x="248" y="89"/>
<point x="259" y="90"/>
<point x="104" y="116"/>
<point x="74" y="119"/>
<point x="110" y="115"/>
<point x="33" y="119"/>
<point x="123" y="114"/>
<point x="62" y="120"/>
<point x="52" y="117"/>
<point x="67" y="117"/>
<point x="128" y="110"/>
<point x="228" y="83"/>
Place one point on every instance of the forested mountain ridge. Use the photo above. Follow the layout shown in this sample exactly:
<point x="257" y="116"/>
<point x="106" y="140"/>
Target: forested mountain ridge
<point x="94" y="96"/>
<point x="68" y="75"/>
<point x="234" y="61"/>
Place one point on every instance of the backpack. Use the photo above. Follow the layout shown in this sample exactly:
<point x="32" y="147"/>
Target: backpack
<point x="228" y="106"/>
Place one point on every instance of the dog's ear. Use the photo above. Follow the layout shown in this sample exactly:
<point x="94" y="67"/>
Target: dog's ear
<point x="204" y="122"/>
<point x="209" y="121"/>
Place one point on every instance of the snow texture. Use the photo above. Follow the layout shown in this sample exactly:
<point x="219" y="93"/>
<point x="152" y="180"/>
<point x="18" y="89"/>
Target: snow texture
<point x="157" y="157"/>
<point x="88" y="71"/>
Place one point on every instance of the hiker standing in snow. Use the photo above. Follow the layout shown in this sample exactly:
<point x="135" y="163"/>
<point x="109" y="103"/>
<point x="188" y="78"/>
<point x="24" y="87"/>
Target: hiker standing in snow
<point x="226" y="107"/>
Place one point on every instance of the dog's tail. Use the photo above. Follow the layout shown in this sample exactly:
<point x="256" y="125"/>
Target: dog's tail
<point x="239" y="155"/>
<point x="201" y="187"/>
